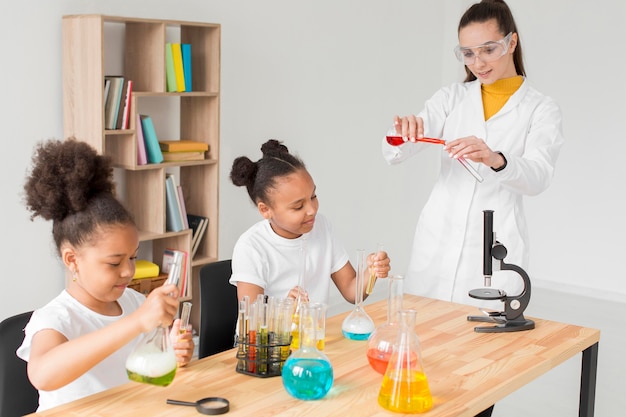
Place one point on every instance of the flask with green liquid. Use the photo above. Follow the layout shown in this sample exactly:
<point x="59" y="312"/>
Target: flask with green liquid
<point x="153" y="360"/>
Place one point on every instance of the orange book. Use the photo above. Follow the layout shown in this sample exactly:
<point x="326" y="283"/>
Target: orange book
<point x="183" y="145"/>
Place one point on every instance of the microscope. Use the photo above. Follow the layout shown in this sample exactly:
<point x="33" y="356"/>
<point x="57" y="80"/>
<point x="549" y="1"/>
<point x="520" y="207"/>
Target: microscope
<point x="512" y="318"/>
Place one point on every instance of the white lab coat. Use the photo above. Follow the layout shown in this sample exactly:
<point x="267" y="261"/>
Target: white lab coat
<point x="447" y="255"/>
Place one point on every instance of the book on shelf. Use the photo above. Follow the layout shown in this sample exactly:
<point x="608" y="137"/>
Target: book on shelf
<point x="198" y="225"/>
<point x="183" y="156"/>
<point x="185" y="49"/>
<point x="194" y="222"/>
<point x="153" y="151"/>
<point x="179" y="205"/>
<point x="203" y="228"/>
<point x="183" y="145"/>
<point x="183" y="207"/>
<point x="173" y="219"/>
<point x="168" y="259"/>
<point x="142" y="158"/>
<point x="111" y="108"/>
<point x="107" y="87"/>
<point x="145" y="269"/>
<point x="170" y="74"/>
<point x="124" y="113"/>
<point x="179" y="72"/>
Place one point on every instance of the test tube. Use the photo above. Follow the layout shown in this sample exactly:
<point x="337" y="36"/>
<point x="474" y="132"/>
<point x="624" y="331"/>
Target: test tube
<point x="262" y="338"/>
<point x="184" y="318"/>
<point x="470" y="169"/>
<point x="372" y="280"/>
<point x="252" y="350"/>
<point x="242" y="334"/>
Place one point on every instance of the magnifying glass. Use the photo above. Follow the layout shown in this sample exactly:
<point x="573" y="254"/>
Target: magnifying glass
<point x="209" y="405"/>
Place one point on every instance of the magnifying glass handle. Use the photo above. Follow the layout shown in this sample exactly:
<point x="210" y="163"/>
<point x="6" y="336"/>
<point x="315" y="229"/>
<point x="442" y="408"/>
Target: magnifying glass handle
<point x="177" y="402"/>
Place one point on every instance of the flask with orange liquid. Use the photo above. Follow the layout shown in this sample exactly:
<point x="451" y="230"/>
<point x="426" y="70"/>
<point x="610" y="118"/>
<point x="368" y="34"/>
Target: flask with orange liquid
<point x="381" y="341"/>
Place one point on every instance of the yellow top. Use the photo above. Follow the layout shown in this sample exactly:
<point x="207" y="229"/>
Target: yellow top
<point x="496" y="95"/>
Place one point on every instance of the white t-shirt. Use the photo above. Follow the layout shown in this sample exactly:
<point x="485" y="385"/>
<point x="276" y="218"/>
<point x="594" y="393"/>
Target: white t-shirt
<point x="263" y="258"/>
<point x="72" y="319"/>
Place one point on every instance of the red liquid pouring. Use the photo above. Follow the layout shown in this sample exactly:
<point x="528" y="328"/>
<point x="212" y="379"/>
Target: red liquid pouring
<point x="399" y="140"/>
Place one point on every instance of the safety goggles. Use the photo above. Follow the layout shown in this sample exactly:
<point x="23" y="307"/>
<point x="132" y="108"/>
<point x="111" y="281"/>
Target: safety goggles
<point x="487" y="52"/>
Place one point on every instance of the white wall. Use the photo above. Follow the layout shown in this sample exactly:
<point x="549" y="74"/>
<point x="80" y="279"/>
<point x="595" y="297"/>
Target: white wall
<point x="326" y="77"/>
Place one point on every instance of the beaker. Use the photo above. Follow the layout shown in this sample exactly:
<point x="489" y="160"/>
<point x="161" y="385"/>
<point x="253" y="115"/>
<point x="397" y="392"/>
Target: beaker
<point x="358" y="325"/>
<point x="405" y="387"/>
<point x="381" y="341"/>
<point x="321" y="325"/>
<point x="153" y="360"/>
<point x="308" y="374"/>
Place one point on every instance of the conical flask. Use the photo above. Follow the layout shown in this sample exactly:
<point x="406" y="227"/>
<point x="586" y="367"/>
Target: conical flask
<point x="358" y="325"/>
<point x="308" y="374"/>
<point x="381" y="341"/>
<point x="153" y="360"/>
<point x="405" y="386"/>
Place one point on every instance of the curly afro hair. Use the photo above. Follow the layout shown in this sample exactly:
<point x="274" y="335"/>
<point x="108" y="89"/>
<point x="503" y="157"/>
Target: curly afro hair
<point x="72" y="185"/>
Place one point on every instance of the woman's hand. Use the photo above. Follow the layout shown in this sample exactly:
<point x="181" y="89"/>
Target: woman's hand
<point x="182" y="342"/>
<point x="410" y="127"/>
<point x="475" y="149"/>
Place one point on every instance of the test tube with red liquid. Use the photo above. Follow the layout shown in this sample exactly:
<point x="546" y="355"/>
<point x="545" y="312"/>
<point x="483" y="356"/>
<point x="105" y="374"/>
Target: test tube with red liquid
<point x="397" y="140"/>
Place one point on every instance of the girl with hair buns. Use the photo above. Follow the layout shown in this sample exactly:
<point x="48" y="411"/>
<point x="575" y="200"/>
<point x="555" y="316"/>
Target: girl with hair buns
<point x="77" y="344"/>
<point x="267" y="258"/>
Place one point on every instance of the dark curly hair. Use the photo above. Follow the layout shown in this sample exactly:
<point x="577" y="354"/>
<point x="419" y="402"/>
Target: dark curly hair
<point x="259" y="177"/>
<point x="72" y="185"/>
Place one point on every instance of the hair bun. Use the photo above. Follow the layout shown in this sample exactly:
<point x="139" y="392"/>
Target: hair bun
<point x="243" y="171"/>
<point x="273" y="147"/>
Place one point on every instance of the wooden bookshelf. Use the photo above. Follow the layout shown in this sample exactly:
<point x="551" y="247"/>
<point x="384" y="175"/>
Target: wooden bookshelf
<point x="92" y="46"/>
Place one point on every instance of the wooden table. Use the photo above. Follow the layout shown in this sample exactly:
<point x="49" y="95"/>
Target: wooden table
<point x="467" y="372"/>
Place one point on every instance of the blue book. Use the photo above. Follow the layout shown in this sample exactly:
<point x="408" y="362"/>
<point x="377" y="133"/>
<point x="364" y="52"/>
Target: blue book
<point x="173" y="216"/>
<point x="186" y="52"/>
<point x="153" y="150"/>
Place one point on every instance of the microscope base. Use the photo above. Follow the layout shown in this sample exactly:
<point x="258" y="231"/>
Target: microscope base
<point x="502" y="326"/>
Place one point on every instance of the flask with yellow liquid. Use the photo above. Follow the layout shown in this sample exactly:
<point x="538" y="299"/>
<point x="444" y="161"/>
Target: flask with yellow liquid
<point x="405" y="386"/>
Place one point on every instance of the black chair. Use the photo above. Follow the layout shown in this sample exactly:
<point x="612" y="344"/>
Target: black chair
<point x="218" y="309"/>
<point x="17" y="395"/>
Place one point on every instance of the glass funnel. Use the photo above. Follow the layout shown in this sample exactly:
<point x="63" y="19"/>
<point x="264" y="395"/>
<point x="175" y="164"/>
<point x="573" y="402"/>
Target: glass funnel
<point x="405" y="388"/>
<point x="308" y="374"/>
<point x="358" y="325"/>
<point x="381" y="341"/>
<point x="153" y="360"/>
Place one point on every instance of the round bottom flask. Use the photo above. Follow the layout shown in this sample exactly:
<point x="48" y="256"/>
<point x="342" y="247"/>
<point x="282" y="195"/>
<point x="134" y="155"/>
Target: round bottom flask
<point x="308" y="374"/>
<point x="153" y="361"/>
<point x="358" y="325"/>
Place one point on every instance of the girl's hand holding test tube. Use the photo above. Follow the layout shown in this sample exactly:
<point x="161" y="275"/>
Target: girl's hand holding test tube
<point x="378" y="264"/>
<point x="182" y="336"/>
